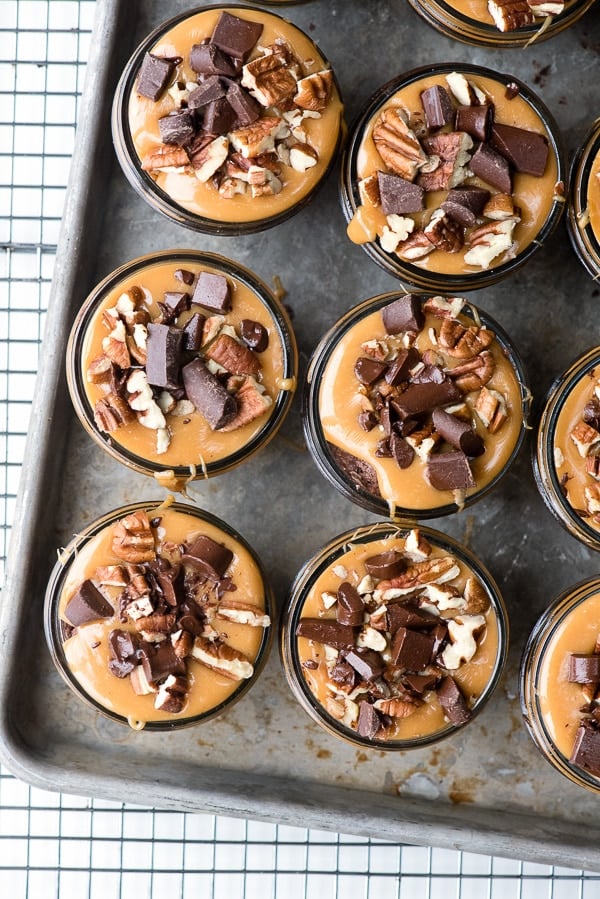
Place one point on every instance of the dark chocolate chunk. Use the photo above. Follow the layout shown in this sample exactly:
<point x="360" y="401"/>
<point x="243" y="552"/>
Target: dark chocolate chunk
<point x="219" y="117"/>
<point x="452" y="701"/>
<point x="350" y="608"/>
<point x="465" y="204"/>
<point x="591" y="413"/>
<point x="584" y="669"/>
<point x="409" y="614"/>
<point x="429" y="374"/>
<point x="369" y="721"/>
<point x="527" y="151"/>
<point x="123" y="647"/>
<point x="163" y="355"/>
<point x="254" y="335"/>
<point x="399" y="196"/>
<point x="212" y="292"/>
<point x="402" y="452"/>
<point x="368" y="370"/>
<point x="449" y="471"/>
<point x="411" y="649"/>
<point x="512" y="90"/>
<point x="209" y="90"/>
<point x="247" y="109"/>
<point x="367" y="420"/>
<point x="491" y="167"/>
<point x="383" y="449"/>
<point x="236" y="36"/>
<point x="358" y="472"/>
<point x="212" y="559"/>
<point x="437" y="106"/>
<point x="343" y="674"/>
<point x="368" y="663"/>
<point x="327" y="631"/>
<point x="440" y="636"/>
<point x="178" y="127"/>
<point x="159" y="661"/>
<point x="586" y="750"/>
<point x="183" y="275"/>
<point x="425" y="396"/>
<point x="399" y="369"/>
<point x="419" y="683"/>
<point x="458" y="433"/>
<point x="192" y="332"/>
<point x="87" y="604"/>
<point x="403" y="314"/>
<point x="208" y="395"/>
<point x="155" y="74"/>
<point x="386" y="565"/>
<point x="206" y="59"/>
<point x="475" y="120"/>
<point x="176" y="301"/>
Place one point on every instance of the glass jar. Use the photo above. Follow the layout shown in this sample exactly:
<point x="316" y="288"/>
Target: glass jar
<point x="583" y="214"/>
<point x="551" y="704"/>
<point x="117" y="654"/>
<point x="334" y="401"/>
<point x="199" y="447"/>
<point x="469" y="21"/>
<point x="443" y="267"/>
<point x="559" y="463"/>
<point x="318" y="673"/>
<point x="196" y="180"/>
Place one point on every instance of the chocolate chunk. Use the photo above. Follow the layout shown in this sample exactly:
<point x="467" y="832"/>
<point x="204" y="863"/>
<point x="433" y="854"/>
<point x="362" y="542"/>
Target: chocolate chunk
<point x="491" y="167"/>
<point x="343" y="674"/>
<point x="398" y="195"/>
<point x="409" y="614"/>
<point x="386" y="565"/>
<point x="123" y="648"/>
<point x="403" y="314"/>
<point x="367" y="662"/>
<point x="206" y="59"/>
<point x="402" y="452"/>
<point x="219" y="117"/>
<point x="212" y="559"/>
<point x="155" y="74"/>
<point x="584" y="669"/>
<point x="184" y="276"/>
<point x="419" y="683"/>
<point x="327" y="631"/>
<point x="411" y="649"/>
<point x="512" y="90"/>
<point x="212" y="292"/>
<point x="350" y="608"/>
<point x="247" y="109"/>
<point x="159" y="661"/>
<point x="178" y="127"/>
<point x="437" y="106"/>
<point x="192" y="332"/>
<point x="208" y="91"/>
<point x="163" y="355"/>
<point x="440" y="636"/>
<point x="465" y="204"/>
<point x="449" y="471"/>
<point x="87" y="604"/>
<point x="452" y="701"/>
<point x="458" y="433"/>
<point x="358" y="472"/>
<point x="176" y="301"/>
<point x="586" y="750"/>
<point x="254" y="335"/>
<point x="369" y="721"/>
<point x="367" y="420"/>
<point x="208" y="395"/>
<point x="368" y="370"/>
<point x="475" y="120"/>
<point x="591" y="413"/>
<point x="236" y="36"/>
<point x="526" y="150"/>
<point x="425" y="396"/>
<point x="399" y="369"/>
<point x="429" y="374"/>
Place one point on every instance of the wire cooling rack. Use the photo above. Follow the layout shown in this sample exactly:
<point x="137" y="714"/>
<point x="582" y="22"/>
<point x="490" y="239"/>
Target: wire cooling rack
<point x="54" y="845"/>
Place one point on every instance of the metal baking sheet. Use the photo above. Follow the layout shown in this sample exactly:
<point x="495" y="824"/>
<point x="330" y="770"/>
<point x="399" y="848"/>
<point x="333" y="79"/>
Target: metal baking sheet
<point x="486" y="789"/>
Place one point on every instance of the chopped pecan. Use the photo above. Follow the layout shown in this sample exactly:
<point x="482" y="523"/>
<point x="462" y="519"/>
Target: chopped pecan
<point x="172" y="695"/>
<point x="428" y="571"/>
<point x="133" y="539"/>
<point x="396" y="708"/>
<point x="510" y="14"/>
<point x="257" y="138"/>
<point x="100" y="370"/>
<point x="416" y="545"/>
<point x="444" y="307"/>
<point x="477" y="599"/>
<point x="210" y="158"/>
<point x="461" y="342"/>
<point x="474" y="373"/>
<point x="303" y="157"/>
<point x="222" y="658"/>
<point x="112" y="576"/>
<point x="592" y="467"/>
<point x="314" y="90"/>
<point x="233" y="356"/>
<point x="462" y="631"/>
<point x="368" y="189"/>
<point x="444" y="233"/>
<point x="585" y="438"/>
<point x="242" y="612"/>
<point x="112" y="412"/>
<point x="252" y="403"/>
<point x="489" y="241"/>
<point x="114" y="346"/>
<point x="268" y="79"/>
<point x="182" y="643"/>
<point x="397" y="144"/>
<point x="159" y="624"/>
<point x="452" y="148"/>
<point x="500" y="207"/>
<point x="550" y="8"/>
<point x="416" y="246"/>
<point x="592" y="496"/>
<point x="466" y="92"/>
<point x="491" y="409"/>
<point x="165" y="157"/>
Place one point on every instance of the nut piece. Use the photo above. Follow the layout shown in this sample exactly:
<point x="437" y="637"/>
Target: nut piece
<point x="314" y="91"/>
<point x="210" y="158"/>
<point x="303" y="157"/>
<point x="368" y="188"/>
<point x="416" y="546"/>
<point x="222" y="658"/>
<point x="489" y="241"/>
<point x="466" y="92"/>
<point x="256" y="138"/>
<point x="115" y="346"/>
<point x="268" y="79"/>
<point x="133" y="539"/>
<point x="112" y="412"/>
<point x="143" y="402"/>
<point x="252" y="403"/>
<point x="444" y="307"/>
<point x="552" y="8"/>
<point x="452" y="148"/>
<point x="462" y="630"/>
<point x="585" y="438"/>
<point x="492" y="409"/>
<point x="510" y="14"/>
<point x="474" y="373"/>
<point x="165" y="157"/>
<point x="233" y="356"/>
<point x="417" y="246"/>
<point x="463" y="343"/>
<point x="397" y="144"/>
<point x="429" y="571"/>
<point x="444" y="233"/>
<point x="242" y="613"/>
<point x="99" y="370"/>
<point x="478" y="601"/>
<point x="500" y="207"/>
<point x="396" y="708"/>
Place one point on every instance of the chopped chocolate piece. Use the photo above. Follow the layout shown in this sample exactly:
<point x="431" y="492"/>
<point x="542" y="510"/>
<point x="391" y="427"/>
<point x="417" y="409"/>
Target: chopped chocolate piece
<point x="586" y="750"/>
<point x="465" y="204"/>
<point x="409" y="614"/>
<point x="212" y="559"/>
<point x="206" y="59"/>
<point x="219" y="117"/>
<point x="419" y="683"/>
<point x="591" y="413"/>
<point x="368" y="370"/>
<point x="475" y="120"/>
<point x="163" y="355"/>
<point x="369" y="721"/>
<point x="526" y="150"/>
<point x="399" y="196"/>
<point x="87" y="604"/>
<point x="440" y="635"/>
<point x="367" y="420"/>
<point x="512" y="90"/>
<point x="208" y="395"/>
<point x="452" y="701"/>
<point x="159" y="660"/>
<point x="123" y="648"/>
<point x="437" y="106"/>
<point x="212" y="292"/>
<point x="254" y="335"/>
<point x="429" y="374"/>
<point x="367" y="662"/>
<point x="491" y="167"/>
<point x="246" y="108"/>
<point x="402" y="452"/>
<point x="350" y="608"/>
<point x="155" y="74"/>
<point x="399" y="369"/>
<point x="184" y="276"/>
<point x="458" y="433"/>
<point x="403" y="314"/>
<point x="236" y="36"/>
<point x="176" y="302"/>
<point x="210" y="89"/>
<point x="426" y="396"/>
<point x="178" y="127"/>
<point x="449" y="471"/>
<point x="192" y="332"/>
<point x="386" y="565"/>
<point x="327" y="631"/>
<point x="383" y="450"/>
<point x="360" y="473"/>
<point x="584" y="669"/>
<point x="411" y="649"/>
<point x="343" y="674"/>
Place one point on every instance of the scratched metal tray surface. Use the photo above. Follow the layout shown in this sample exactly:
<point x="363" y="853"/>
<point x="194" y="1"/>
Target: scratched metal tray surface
<point x="486" y="789"/>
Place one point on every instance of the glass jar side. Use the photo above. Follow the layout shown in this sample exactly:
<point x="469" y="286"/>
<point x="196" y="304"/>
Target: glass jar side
<point x="585" y="242"/>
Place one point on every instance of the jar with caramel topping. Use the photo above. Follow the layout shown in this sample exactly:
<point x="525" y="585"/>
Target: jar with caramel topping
<point x="159" y="615"/>
<point x="393" y="638"/>
<point x="583" y="214"/>
<point x="566" y="459"/>
<point x="415" y="406"/>
<point x="452" y="177"/>
<point x="227" y="119"/>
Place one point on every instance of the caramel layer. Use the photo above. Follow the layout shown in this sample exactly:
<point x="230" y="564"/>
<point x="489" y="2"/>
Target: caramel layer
<point x="593" y="196"/>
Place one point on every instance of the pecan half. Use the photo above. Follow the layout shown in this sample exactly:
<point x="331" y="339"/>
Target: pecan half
<point x="112" y="412"/>
<point x="252" y="403"/>
<point x="314" y="90"/>
<point x="222" y="658"/>
<point x="397" y="144"/>
<point x="428" y="571"/>
<point x="133" y="539"/>
<point x="463" y="343"/>
<point x="474" y="373"/>
<point x="396" y="708"/>
<point x="165" y="157"/>
<point x="233" y="356"/>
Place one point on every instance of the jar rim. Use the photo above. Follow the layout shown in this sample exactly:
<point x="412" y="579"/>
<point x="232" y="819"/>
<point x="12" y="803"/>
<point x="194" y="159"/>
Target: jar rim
<point x="583" y="239"/>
